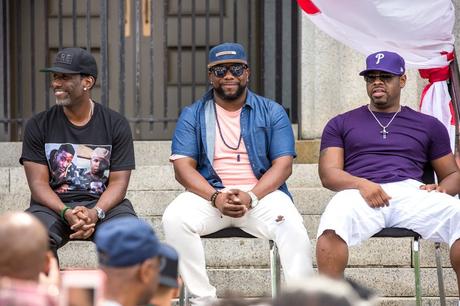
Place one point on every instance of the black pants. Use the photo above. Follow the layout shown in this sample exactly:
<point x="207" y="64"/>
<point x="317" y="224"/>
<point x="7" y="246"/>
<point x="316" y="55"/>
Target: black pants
<point x="59" y="231"/>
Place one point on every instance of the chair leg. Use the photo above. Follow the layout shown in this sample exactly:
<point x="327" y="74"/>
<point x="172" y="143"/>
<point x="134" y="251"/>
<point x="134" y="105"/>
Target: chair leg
<point x="275" y="268"/>
<point x="182" y="296"/>
<point x="416" y="258"/>
<point x="442" y="292"/>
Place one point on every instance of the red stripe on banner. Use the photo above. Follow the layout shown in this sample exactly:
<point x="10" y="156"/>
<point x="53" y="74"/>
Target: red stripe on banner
<point x="308" y="7"/>
<point x="435" y="74"/>
<point x="424" y="93"/>
<point x="452" y="113"/>
<point x="449" y="55"/>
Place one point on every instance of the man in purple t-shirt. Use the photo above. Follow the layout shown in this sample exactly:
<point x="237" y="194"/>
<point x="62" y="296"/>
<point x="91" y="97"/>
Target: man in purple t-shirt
<point x="374" y="157"/>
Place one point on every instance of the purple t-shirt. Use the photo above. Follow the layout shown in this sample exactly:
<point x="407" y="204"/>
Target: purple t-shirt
<point x="413" y="139"/>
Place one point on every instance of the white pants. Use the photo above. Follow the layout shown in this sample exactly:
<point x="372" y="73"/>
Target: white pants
<point x="190" y="216"/>
<point x="434" y="215"/>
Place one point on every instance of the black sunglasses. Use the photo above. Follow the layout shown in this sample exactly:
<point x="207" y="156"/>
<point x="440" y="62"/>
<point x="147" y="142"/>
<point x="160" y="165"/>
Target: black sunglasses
<point x="371" y="78"/>
<point x="221" y="70"/>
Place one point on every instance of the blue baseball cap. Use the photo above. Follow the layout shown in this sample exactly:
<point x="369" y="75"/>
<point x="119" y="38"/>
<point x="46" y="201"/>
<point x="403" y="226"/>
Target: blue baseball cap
<point x="169" y="269"/>
<point x="126" y="241"/>
<point x="227" y="53"/>
<point x="385" y="61"/>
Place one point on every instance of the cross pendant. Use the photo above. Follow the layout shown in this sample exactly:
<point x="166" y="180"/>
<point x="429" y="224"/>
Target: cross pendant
<point x="384" y="133"/>
<point x="238" y="157"/>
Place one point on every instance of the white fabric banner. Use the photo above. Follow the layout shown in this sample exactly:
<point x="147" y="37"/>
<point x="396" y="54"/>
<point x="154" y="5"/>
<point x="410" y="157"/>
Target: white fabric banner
<point x="436" y="103"/>
<point x="417" y="30"/>
<point x="420" y="31"/>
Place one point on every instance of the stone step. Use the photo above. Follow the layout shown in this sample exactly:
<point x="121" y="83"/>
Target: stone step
<point x="244" y="252"/>
<point x="152" y="209"/>
<point x="307" y="152"/>
<point x="387" y="282"/>
<point x="391" y="301"/>
<point x="309" y="201"/>
<point x="150" y="206"/>
<point x="427" y="300"/>
<point x="13" y="180"/>
<point x="146" y="153"/>
<point x="395" y="282"/>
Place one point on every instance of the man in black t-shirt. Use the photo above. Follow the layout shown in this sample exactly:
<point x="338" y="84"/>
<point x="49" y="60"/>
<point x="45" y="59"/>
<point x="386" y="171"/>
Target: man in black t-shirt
<point x="78" y="155"/>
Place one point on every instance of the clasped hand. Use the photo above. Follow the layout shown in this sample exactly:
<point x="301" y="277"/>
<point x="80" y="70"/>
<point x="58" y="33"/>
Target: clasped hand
<point x="82" y="221"/>
<point x="234" y="203"/>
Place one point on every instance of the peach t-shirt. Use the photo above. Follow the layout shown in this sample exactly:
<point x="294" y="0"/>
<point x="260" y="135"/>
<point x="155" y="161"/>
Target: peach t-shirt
<point x="232" y="166"/>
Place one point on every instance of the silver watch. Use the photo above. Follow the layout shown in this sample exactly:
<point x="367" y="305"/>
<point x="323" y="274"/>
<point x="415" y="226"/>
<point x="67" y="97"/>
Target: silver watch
<point x="100" y="213"/>
<point x="254" y="199"/>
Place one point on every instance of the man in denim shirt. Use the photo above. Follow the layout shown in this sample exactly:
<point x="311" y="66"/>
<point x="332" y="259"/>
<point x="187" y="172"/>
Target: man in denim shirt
<point x="232" y="151"/>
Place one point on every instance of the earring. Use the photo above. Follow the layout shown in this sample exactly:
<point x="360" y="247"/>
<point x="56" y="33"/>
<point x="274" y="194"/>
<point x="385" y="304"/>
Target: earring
<point x="85" y="89"/>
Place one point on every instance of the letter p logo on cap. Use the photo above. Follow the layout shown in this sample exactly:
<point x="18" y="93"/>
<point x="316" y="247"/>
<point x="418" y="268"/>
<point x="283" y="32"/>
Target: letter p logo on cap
<point x="379" y="56"/>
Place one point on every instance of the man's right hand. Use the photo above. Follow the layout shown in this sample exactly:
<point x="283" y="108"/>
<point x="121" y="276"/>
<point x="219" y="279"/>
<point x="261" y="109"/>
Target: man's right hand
<point x="373" y="194"/>
<point x="228" y="207"/>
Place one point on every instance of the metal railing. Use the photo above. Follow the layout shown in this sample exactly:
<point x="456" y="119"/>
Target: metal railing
<point x="151" y="54"/>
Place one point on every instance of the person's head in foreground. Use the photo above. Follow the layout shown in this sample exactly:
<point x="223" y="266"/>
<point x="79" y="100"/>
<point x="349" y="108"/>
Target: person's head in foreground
<point x="131" y="255"/>
<point x="23" y="246"/>
<point x="169" y="283"/>
<point x="324" y="291"/>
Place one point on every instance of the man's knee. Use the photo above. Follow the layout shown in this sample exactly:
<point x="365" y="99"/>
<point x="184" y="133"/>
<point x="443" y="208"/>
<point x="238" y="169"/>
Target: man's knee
<point x="174" y="215"/>
<point x="455" y="255"/>
<point x="330" y="235"/>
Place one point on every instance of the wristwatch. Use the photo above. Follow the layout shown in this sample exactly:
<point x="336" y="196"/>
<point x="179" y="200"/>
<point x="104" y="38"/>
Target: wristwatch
<point x="254" y="199"/>
<point x="100" y="213"/>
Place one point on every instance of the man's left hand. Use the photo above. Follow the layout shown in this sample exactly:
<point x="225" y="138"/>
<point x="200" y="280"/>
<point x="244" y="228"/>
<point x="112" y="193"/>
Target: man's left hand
<point x="433" y="187"/>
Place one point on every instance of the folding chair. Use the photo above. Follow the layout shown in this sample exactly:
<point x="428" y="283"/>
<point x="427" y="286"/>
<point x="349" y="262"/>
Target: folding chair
<point x="235" y="232"/>
<point x="429" y="178"/>
<point x="396" y="232"/>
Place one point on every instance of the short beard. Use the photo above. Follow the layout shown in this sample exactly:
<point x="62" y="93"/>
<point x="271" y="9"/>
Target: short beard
<point x="63" y="102"/>
<point x="220" y="92"/>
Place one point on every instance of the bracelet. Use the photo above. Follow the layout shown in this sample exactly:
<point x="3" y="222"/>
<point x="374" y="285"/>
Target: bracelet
<point x="214" y="197"/>
<point x="63" y="211"/>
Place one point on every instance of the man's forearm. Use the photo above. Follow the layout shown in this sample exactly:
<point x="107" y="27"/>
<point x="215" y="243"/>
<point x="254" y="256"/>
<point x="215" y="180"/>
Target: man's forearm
<point x="112" y="196"/>
<point x="338" y="180"/>
<point x="272" y="180"/>
<point x="44" y="195"/>
<point x="194" y="182"/>
<point x="451" y="183"/>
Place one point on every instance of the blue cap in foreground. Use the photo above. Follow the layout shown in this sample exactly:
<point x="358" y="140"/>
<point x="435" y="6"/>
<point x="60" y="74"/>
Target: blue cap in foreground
<point x="126" y="241"/>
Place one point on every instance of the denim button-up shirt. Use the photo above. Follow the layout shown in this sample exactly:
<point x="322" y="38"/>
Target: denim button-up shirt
<point x="265" y="128"/>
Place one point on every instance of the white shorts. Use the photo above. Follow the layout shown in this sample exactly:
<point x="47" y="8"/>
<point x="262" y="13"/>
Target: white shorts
<point x="434" y="215"/>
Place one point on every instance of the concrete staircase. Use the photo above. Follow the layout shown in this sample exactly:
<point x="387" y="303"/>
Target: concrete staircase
<point x="241" y="265"/>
